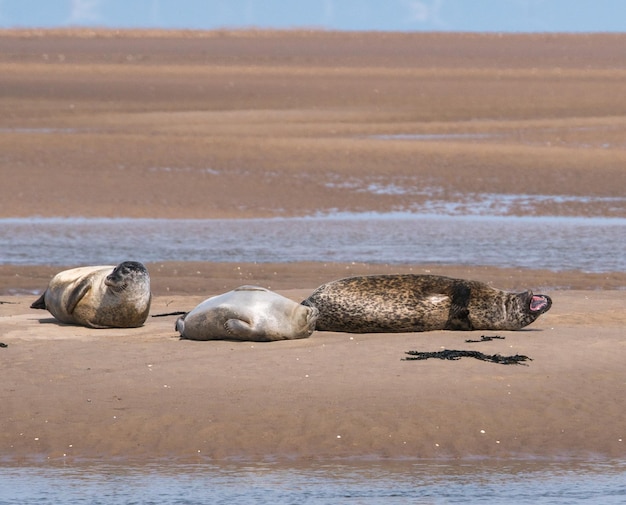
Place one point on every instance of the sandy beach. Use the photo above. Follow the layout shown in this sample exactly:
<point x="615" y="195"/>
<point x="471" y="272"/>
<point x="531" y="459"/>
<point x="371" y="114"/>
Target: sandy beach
<point x="71" y="392"/>
<point x="262" y="124"/>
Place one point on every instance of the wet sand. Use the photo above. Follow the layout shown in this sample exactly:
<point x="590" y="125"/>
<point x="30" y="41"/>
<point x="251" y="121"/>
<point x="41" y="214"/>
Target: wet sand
<point x="231" y="124"/>
<point x="250" y="124"/>
<point x="71" y="393"/>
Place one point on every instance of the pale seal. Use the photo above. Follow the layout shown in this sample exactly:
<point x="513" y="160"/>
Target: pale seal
<point x="248" y="313"/>
<point x="408" y="303"/>
<point x="104" y="296"/>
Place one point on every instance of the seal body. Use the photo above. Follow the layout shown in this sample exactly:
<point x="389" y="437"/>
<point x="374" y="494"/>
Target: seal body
<point x="248" y="313"/>
<point x="104" y="296"/>
<point x="409" y="303"/>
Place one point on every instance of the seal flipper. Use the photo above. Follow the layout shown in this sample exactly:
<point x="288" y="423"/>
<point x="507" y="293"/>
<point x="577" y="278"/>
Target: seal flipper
<point x="77" y="295"/>
<point x="180" y="326"/>
<point x="40" y="303"/>
<point x="242" y="330"/>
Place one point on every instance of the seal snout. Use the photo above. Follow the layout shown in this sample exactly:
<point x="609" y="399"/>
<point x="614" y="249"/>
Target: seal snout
<point x="116" y="284"/>
<point x="540" y="303"/>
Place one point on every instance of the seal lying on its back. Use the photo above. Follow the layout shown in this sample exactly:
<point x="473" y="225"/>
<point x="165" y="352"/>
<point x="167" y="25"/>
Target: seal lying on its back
<point x="248" y="313"/>
<point x="407" y="303"/>
<point x="99" y="296"/>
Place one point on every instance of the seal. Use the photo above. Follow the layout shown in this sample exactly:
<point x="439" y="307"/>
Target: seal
<point x="103" y="296"/>
<point x="248" y="313"/>
<point x="410" y="303"/>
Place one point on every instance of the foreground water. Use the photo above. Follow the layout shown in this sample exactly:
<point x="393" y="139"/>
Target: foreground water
<point x="555" y="243"/>
<point x="470" y="482"/>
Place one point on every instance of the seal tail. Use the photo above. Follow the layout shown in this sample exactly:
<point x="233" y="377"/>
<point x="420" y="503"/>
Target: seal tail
<point x="40" y="303"/>
<point x="180" y="326"/>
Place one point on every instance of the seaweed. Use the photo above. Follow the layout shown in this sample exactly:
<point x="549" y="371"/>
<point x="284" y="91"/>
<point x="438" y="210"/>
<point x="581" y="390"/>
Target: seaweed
<point x="178" y="313"/>
<point x="456" y="355"/>
<point x="486" y="338"/>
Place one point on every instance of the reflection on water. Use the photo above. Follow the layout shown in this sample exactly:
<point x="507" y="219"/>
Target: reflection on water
<point x="438" y="200"/>
<point x="481" y="481"/>
<point x="555" y="243"/>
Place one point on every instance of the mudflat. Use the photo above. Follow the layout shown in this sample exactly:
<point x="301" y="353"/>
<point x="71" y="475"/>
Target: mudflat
<point x="249" y="124"/>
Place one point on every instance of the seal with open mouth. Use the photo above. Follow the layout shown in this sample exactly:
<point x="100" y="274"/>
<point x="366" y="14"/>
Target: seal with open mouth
<point x="410" y="303"/>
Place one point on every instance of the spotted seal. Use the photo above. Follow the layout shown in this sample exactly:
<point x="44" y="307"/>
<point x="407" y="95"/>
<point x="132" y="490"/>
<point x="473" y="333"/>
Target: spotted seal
<point x="408" y="303"/>
<point x="104" y="296"/>
<point x="248" y="313"/>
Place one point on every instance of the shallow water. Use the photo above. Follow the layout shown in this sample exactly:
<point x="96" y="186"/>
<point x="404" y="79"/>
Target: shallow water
<point x="470" y="482"/>
<point x="555" y="243"/>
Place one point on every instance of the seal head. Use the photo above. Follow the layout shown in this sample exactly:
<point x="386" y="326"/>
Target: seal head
<point x="507" y="311"/>
<point x="126" y="274"/>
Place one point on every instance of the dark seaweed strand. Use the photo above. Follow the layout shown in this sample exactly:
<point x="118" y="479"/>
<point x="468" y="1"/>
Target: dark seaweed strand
<point x="455" y="355"/>
<point x="179" y="313"/>
<point x="486" y="338"/>
<point x="2" y="344"/>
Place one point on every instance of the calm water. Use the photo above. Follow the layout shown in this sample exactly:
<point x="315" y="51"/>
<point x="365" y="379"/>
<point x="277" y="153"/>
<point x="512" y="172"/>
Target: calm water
<point x="555" y="243"/>
<point x="502" y="482"/>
